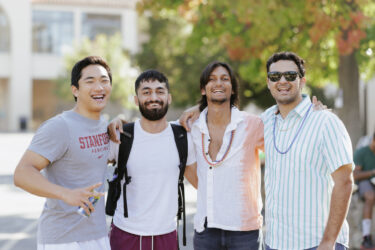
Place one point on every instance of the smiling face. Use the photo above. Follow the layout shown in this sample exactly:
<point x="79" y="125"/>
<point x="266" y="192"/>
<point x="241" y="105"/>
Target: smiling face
<point x="94" y="89"/>
<point x="153" y="99"/>
<point x="283" y="91"/>
<point x="219" y="87"/>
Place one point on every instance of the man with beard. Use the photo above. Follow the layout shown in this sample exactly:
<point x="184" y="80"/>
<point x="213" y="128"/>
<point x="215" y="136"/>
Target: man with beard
<point x="153" y="165"/>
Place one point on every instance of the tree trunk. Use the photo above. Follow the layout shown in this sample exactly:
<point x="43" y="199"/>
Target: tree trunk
<point x="349" y="83"/>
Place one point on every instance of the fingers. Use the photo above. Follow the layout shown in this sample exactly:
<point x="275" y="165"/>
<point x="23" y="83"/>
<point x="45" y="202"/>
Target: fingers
<point x="314" y="99"/>
<point x="112" y="132"/>
<point x="97" y="194"/>
<point x="119" y="123"/>
<point x="184" y="121"/>
<point x="86" y="206"/>
<point x="92" y="187"/>
<point x="115" y="124"/>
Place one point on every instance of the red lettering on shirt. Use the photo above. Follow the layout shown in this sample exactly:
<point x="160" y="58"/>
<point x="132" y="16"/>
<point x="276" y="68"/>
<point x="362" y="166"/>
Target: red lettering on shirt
<point x="87" y="142"/>
<point x="81" y="142"/>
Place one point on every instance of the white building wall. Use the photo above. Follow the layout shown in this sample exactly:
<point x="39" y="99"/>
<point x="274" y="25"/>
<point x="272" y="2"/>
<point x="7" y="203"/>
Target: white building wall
<point x="20" y="66"/>
<point x="20" y="81"/>
<point x="130" y="30"/>
<point x="5" y="67"/>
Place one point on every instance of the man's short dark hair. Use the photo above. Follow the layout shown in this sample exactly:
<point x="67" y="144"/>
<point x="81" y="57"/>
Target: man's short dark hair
<point x="205" y="78"/>
<point x="80" y="65"/>
<point x="151" y="75"/>
<point x="289" y="56"/>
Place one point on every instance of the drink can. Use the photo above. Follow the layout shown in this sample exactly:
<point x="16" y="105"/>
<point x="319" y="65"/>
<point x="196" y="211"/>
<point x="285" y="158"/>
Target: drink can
<point x="93" y="200"/>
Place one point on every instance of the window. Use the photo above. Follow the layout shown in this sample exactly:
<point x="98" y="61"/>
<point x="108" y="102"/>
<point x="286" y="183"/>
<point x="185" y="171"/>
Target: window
<point x="52" y="31"/>
<point x="4" y="32"/>
<point x="95" y="24"/>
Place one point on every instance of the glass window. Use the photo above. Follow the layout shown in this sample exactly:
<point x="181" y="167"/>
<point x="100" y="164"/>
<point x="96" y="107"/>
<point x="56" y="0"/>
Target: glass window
<point x="4" y="32"/>
<point x="52" y="31"/>
<point x="95" y="24"/>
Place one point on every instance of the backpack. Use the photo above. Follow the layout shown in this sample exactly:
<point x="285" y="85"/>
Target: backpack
<point x="121" y="171"/>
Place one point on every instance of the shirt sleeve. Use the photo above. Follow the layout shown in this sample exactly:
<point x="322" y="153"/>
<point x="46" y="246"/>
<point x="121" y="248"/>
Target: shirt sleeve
<point x="191" y="150"/>
<point x="113" y="149"/>
<point x="51" y="139"/>
<point x="336" y="144"/>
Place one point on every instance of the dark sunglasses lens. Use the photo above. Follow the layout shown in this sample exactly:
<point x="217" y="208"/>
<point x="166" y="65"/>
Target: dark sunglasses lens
<point x="274" y="76"/>
<point x="290" y="75"/>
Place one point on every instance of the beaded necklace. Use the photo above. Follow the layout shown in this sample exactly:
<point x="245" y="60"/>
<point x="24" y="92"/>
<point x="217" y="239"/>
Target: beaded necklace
<point x="295" y="137"/>
<point x="217" y="163"/>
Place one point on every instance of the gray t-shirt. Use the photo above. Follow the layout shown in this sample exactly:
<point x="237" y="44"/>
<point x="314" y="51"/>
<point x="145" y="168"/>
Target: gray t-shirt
<point x="77" y="148"/>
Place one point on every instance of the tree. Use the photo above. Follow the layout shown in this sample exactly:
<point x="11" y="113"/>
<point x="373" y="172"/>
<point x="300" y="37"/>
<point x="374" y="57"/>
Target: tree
<point x="333" y="36"/>
<point x="110" y="48"/>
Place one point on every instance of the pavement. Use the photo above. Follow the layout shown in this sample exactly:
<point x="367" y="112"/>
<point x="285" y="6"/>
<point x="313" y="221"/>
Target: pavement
<point x="19" y="210"/>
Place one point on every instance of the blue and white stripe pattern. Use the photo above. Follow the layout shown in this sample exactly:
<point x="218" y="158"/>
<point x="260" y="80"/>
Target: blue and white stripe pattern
<point x="298" y="184"/>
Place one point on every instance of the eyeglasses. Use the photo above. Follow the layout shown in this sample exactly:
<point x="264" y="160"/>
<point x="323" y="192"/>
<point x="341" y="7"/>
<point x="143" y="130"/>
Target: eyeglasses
<point x="290" y="76"/>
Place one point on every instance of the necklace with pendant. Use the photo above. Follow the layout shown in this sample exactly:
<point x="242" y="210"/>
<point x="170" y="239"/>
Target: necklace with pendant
<point x="217" y="163"/>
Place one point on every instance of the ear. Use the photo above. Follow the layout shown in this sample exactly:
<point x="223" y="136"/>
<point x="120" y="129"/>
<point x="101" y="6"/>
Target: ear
<point x="136" y="101"/>
<point x="75" y="91"/>
<point x="169" y="98"/>
<point x="302" y="82"/>
<point x="268" y="83"/>
<point x="203" y="91"/>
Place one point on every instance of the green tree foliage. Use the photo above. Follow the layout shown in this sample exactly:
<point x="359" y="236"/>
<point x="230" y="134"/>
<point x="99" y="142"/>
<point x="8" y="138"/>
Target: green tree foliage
<point x="335" y="37"/>
<point x="110" y="48"/>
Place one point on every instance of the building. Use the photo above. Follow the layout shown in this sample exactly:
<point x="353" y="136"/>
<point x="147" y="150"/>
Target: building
<point x="34" y="34"/>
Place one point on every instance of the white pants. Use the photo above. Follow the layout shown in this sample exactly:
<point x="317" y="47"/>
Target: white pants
<point x="99" y="244"/>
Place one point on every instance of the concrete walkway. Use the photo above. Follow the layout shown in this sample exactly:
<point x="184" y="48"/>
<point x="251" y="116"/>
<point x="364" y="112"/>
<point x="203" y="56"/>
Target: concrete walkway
<point x="20" y="210"/>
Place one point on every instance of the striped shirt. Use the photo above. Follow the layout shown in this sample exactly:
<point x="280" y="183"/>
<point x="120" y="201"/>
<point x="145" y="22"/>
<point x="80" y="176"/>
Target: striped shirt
<point x="229" y="194"/>
<point x="298" y="184"/>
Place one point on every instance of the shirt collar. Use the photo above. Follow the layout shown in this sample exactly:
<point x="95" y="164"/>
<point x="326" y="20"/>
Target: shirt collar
<point x="236" y="117"/>
<point x="301" y="108"/>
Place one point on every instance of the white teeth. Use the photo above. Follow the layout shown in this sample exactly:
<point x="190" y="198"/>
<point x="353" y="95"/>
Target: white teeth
<point x="98" y="96"/>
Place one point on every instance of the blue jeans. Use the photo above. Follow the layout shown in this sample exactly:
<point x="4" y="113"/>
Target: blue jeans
<point x="218" y="239"/>
<point x="338" y="246"/>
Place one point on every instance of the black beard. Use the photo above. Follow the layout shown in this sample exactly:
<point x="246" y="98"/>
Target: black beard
<point x="153" y="114"/>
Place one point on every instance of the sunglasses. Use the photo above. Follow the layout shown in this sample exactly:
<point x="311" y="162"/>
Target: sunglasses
<point x="290" y="76"/>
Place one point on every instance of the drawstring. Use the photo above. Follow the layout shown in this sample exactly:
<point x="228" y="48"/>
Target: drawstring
<point x="152" y="242"/>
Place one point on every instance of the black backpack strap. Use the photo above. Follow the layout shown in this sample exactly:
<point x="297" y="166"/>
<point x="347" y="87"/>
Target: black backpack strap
<point x="180" y="137"/>
<point x="123" y="156"/>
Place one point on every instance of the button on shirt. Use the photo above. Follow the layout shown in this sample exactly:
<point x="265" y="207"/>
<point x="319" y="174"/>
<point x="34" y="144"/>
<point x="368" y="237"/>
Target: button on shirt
<point x="229" y="194"/>
<point x="298" y="184"/>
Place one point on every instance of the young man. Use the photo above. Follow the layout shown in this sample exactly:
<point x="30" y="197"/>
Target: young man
<point x="227" y="142"/>
<point x="308" y="173"/>
<point x="364" y="159"/>
<point x="72" y="150"/>
<point x="153" y="162"/>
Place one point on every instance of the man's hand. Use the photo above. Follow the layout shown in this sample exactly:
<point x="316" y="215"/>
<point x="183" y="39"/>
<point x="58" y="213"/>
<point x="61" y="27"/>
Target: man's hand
<point x="318" y="105"/>
<point x="326" y="246"/>
<point x="80" y="197"/>
<point x="116" y="124"/>
<point x="189" y="116"/>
